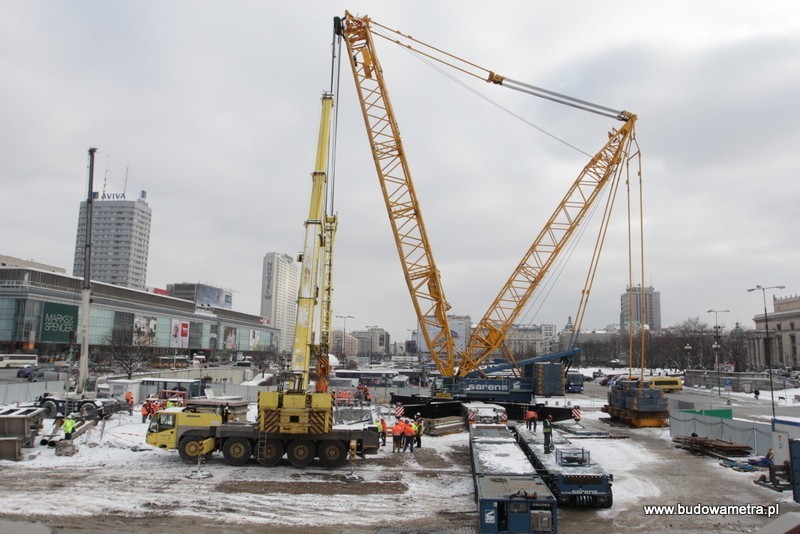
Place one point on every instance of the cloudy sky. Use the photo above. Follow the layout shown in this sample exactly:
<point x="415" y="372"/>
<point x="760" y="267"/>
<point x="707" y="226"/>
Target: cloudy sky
<point x="213" y="109"/>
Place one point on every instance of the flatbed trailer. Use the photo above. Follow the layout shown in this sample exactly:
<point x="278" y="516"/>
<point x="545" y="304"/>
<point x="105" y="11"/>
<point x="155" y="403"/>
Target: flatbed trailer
<point x="510" y="495"/>
<point x="573" y="478"/>
<point x="637" y="418"/>
<point x="102" y="407"/>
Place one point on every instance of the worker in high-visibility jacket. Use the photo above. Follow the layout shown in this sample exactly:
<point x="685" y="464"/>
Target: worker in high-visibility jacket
<point x="410" y="433"/>
<point x="68" y="427"/>
<point x="382" y="426"/>
<point x="397" y="435"/>
<point x="129" y="401"/>
<point x="547" y="430"/>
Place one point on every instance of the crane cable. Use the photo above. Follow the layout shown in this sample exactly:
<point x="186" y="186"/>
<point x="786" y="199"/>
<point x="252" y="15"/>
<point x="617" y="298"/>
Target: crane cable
<point x="422" y="57"/>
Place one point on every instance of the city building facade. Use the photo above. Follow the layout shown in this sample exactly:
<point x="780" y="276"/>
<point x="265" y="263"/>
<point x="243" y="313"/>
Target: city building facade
<point x="779" y="330"/>
<point x="40" y="312"/>
<point x="631" y="308"/>
<point x="120" y="240"/>
<point x="280" y="281"/>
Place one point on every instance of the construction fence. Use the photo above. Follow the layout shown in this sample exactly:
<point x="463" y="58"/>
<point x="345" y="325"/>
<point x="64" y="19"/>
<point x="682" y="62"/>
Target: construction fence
<point x="750" y="433"/>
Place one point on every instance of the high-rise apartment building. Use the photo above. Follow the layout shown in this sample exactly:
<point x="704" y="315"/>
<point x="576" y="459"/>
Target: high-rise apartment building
<point x="280" y="282"/>
<point x="652" y="308"/>
<point x="120" y="240"/>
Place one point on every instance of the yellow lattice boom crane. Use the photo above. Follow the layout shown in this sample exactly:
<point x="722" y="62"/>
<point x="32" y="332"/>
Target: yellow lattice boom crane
<point x="419" y="267"/>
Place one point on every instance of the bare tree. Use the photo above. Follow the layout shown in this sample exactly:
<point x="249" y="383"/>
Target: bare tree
<point x="127" y="356"/>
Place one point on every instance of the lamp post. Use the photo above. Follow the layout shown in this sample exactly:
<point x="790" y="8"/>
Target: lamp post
<point x="767" y="358"/>
<point x="344" y="337"/>
<point x="716" y="345"/>
<point x="688" y="349"/>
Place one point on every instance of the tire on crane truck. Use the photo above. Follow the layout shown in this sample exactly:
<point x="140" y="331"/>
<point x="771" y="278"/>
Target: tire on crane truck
<point x="189" y="447"/>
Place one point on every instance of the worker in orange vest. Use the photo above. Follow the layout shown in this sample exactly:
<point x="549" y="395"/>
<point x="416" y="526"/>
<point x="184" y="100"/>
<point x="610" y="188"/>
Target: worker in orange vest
<point x="145" y="411"/>
<point x="410" y="433"/>
<point x="531" y="417"/>
<point x="129" y="400"/>
<point x="397" y="435"/>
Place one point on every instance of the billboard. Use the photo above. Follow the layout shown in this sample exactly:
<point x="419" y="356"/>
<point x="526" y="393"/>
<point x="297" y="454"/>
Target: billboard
<point x="255" y="340"/>
<point x="213" y="296"/>
<point x="179" y="334"/>
<point x="144" y="330"/>
<point x="58" y="320"/>
<point x="229" y="338"/>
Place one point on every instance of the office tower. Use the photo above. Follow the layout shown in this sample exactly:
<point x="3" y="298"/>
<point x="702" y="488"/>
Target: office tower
<point x="652" y="308"/>
<point x="280" y="281"/>
<point x="120" y="240"/>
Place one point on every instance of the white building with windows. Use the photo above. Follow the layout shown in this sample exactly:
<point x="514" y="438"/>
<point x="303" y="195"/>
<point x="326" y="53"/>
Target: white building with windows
<point x="280" y="279"/>
<point x="120" y="240"/>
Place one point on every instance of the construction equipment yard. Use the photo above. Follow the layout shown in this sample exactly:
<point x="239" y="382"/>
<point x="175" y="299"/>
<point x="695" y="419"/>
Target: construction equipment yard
<point x="118" y="483"/>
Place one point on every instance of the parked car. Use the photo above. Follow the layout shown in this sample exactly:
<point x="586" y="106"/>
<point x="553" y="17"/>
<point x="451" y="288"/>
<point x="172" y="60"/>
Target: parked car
<point x="25" y="372"/>
<point x="608" y="378"/>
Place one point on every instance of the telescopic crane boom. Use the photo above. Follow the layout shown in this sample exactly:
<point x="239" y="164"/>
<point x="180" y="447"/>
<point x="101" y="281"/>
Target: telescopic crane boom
<point x="421" y="274"/>
<point x="312" y="255"/>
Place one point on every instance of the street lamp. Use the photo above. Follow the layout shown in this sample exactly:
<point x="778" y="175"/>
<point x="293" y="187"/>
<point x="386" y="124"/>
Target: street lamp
<point x="344" y="336"/>
<point x="767" y="358"/>
<point x="688" y="349"/>
<point x="716" y="345"/>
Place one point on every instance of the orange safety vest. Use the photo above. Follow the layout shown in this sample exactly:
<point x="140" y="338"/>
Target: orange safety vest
<point x="398" y="428"/>
<point x="409" y="430"/>
<point x="145" y="409"/>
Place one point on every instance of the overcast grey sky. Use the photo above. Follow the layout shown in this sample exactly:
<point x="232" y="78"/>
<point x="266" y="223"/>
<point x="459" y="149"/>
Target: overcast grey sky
<point x="213" y="108"/>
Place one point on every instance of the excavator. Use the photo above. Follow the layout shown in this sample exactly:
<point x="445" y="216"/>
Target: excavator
<point x="604" y="170"/>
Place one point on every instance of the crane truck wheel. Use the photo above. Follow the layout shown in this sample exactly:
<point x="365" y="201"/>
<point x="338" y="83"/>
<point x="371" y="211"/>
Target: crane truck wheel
<point x="189" y="448"/>
<point x="301" y="452"/>
<point x="88" y="410"/>
<point x="50" y="409"/>
<point x="237" y="450"/>
<point x="332" y="453"/>
<point x="271" y="453"/>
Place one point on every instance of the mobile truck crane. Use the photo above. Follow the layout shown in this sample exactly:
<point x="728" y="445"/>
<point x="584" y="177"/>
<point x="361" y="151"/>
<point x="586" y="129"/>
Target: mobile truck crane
<point x="421" y="273"/>
<point x="290" y="420"/>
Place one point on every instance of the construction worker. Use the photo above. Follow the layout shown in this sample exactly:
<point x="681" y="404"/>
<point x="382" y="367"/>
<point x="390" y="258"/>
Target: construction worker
<point x="397" y="435"/>
<point x="410" y="433"/>
<point x="129" y="400"/>
<point x="547" y="430"/>
<point x="420" y="424"/>
<point x="68" y="427"/>
<point x="145" y="411"/>
<point x="531" y="418"/>
<point x="382" y="426"/>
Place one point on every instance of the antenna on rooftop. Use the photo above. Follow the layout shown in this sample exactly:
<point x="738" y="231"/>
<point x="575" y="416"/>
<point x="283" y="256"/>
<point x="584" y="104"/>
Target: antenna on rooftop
<point x="105" y="179"/>
<point x="125" y="187"/>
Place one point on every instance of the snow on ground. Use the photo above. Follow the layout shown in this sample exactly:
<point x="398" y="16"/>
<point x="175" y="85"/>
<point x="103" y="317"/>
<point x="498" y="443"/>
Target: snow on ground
<point x="116" y="472"/>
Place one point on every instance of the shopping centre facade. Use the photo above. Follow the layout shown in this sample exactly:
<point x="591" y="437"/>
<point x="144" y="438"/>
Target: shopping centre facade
<point x="40" y="312"/>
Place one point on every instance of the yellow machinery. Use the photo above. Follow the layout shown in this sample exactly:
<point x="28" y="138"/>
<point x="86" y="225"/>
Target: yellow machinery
<point x="421" y="274"/>
<point x="294" y="410"/>
<point x="292" y="420"/>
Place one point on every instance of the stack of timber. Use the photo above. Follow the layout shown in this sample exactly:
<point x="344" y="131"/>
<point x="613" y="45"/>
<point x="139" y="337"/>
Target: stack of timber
<point x="636" y="404"/>
<point x="441" y="426"/>
<point x="712" y="447"/>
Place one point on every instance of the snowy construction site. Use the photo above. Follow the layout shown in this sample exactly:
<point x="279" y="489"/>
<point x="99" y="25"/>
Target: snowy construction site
<point x="114" y="481"/>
